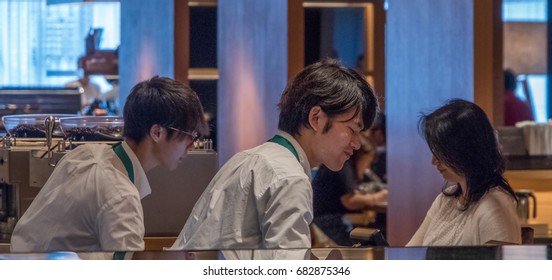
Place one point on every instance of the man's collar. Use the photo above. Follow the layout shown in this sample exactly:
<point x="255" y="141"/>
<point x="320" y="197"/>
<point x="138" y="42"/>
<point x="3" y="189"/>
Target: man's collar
<point x="303" y="159"/>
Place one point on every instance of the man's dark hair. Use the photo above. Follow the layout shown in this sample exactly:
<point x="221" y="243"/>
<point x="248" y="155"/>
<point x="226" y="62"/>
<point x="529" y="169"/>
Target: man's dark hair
<point x="510" y="82"/>
<point x="165" y="102"/>
<point x="330" y="85"/>
<point x="379" y="123"/>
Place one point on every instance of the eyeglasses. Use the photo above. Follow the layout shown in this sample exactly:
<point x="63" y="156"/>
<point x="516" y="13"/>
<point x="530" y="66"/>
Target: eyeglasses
<point x="193" y="134"/>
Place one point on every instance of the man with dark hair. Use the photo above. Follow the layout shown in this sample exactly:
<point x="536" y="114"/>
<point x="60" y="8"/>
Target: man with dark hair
<point x="515" y="110"/>
<point x="91" y="202"/>
<point x="262" y="197"/>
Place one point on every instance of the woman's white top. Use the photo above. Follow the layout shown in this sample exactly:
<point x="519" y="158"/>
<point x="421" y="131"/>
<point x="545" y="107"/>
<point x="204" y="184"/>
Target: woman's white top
<point x="492" y="218"/>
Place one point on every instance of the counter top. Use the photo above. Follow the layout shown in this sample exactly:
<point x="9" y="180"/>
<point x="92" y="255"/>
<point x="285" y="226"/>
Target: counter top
<point x="4" y="248"/>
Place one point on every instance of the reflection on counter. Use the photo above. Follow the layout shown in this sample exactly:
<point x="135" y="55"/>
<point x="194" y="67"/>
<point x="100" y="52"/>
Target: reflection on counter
<point x="506" y="252"/>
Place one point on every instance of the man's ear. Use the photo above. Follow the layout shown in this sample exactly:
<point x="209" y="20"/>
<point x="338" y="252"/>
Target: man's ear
<point x="315" y="118"/>
<point x="155" y="132"/>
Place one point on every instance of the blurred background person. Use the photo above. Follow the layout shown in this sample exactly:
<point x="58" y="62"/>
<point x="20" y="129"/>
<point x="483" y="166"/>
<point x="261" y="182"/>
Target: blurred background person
<point x="106" y="103"/>
<point x="353" y="189"/>
<point x="88" y="90"/>
<point x="377" y="134"/>
<point x="515" y="109"/>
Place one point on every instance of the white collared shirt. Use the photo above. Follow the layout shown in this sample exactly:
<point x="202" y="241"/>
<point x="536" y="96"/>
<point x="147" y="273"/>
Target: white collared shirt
<point x="260" y="199"/>
<point x="87" y="204"/>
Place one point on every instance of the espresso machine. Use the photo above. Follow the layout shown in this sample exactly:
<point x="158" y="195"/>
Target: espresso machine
<point x="26" y="164"/>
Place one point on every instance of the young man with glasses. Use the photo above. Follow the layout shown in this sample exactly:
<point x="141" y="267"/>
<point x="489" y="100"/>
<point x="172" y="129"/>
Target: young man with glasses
<point x="91" y="202"/>
<point x="262" y="198"/>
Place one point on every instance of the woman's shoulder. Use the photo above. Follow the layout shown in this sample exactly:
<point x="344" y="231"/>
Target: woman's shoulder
<point x="497" y="196"/>
<point x="498" y="192"/>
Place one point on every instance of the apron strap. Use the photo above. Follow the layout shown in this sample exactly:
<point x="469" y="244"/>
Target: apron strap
<point x="285" y="143"/>
<point x="119" y="255"/>
<point x="123" y="156"/>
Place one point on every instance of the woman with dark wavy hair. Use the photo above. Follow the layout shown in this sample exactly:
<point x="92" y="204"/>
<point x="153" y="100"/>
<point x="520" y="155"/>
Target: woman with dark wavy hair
<point x="480" y="205"/>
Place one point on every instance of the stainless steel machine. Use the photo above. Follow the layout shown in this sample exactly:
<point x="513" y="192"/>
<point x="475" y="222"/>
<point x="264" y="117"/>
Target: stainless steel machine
<point x="26" y="164"/>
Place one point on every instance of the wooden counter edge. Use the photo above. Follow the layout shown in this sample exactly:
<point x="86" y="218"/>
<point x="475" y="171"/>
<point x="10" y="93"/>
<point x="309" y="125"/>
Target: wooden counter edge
<point x="537" y="180"/>
<point x="158" y="243"/>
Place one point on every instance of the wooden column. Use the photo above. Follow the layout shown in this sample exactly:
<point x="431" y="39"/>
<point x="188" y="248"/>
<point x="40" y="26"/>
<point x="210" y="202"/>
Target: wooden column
<point x="296" y="37"/>
<point x="259" y="47"/>
<point x="379" y="51"/>
<point x="549" y="58"/>
<point x="436" y="50"/>
<point x="488" y="59"/>
<point x="181" y="40"/>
